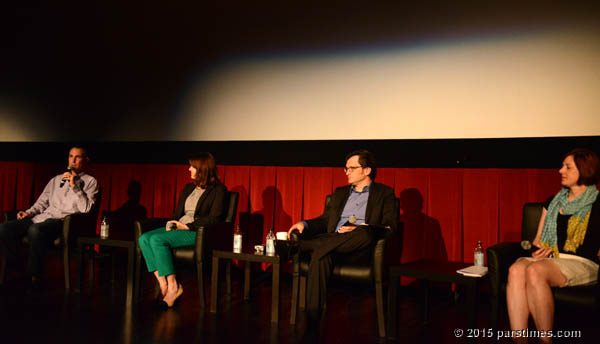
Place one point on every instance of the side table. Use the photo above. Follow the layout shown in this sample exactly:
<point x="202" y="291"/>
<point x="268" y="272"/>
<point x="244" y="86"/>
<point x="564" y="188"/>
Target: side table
<point x="130" y="245"/>
<point x="431" y="270"/>
<point x="247" y="258"/>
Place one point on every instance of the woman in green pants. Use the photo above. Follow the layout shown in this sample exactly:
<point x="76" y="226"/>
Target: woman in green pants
<point x="201" y="203"/>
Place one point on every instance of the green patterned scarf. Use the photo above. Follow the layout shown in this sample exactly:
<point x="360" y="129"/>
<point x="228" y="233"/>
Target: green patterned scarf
<point x="580" y="208"/>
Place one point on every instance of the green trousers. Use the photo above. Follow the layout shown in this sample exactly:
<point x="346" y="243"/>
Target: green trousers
<point x="156" y="248"/>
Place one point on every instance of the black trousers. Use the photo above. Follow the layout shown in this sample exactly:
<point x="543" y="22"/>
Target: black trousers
<point x="327" y="250"/>
<point x="39" y="235"/>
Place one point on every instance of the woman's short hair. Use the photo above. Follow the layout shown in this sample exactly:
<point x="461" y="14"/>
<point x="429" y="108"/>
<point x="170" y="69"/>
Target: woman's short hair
<point x="206" y="168"/>
<point x="588" y="165"/>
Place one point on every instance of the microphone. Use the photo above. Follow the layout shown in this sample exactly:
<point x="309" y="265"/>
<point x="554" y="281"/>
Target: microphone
<point x="528" y="247"/>
<point x="62" y="183"/>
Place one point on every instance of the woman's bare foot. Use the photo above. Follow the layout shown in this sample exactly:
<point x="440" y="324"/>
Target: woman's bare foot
<point x="163" y="289"/>
<point x="162" y="283"/>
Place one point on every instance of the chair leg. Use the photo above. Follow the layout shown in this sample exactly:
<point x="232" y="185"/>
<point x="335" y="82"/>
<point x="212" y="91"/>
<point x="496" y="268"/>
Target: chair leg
<point x="138" y="275"/>
<point x="67" y="267"/>
<point x="294" y="310"/>
<point x="113" y="266"/>
<point x="2" y="269"/>
<point x="380" y="314"/>
<point x="302" y="295"/>
<point x="494" y="312"/>
<point x="228" y="276"/>
<point x="200" y="272"/>
<point x="92" y="262"/>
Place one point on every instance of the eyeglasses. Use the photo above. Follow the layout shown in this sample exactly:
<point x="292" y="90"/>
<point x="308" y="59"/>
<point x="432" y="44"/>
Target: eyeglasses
<point x="351" y="168"/>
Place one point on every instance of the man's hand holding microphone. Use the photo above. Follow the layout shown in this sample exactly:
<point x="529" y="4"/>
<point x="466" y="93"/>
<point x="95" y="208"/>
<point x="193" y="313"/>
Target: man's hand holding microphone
<point x="69" y="176"/>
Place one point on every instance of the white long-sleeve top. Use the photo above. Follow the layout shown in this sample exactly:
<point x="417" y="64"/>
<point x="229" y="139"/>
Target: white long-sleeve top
<point x="56" y="202"/>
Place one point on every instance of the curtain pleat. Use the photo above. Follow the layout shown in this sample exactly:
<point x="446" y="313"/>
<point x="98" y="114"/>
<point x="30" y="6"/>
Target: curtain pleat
<point x="444" y="212"/>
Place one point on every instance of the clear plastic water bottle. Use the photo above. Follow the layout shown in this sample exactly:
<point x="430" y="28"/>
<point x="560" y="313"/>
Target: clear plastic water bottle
<point x="104" y="228"/>
<point x="479" y="254"/>
<point x="270" y="243"/>
<point x="237" y="239"/>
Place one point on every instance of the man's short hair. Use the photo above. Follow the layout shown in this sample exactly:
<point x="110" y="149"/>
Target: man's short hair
<point x="84" y="152"/>
<point x="365" y="159"/>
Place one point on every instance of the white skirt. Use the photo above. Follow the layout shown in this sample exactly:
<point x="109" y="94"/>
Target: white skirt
<point x="578" y="270"/>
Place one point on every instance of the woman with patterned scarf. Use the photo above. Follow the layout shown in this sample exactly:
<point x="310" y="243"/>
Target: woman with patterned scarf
<point x="568" y="242"/>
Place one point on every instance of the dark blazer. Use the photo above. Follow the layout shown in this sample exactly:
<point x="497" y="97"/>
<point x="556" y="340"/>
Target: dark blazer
<point x="210" y="208"/>
<point x="381" y="209"/>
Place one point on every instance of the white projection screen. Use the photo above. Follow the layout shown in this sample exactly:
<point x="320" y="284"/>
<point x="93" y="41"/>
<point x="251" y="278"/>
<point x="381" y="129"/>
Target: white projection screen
<point x="537" y="84"/>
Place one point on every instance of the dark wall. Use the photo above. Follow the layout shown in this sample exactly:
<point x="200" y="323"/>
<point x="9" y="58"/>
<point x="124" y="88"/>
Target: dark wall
<point x="472" y="153"/>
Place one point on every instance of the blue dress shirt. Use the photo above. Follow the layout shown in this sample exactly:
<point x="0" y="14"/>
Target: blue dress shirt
<point x="355" y="205"/>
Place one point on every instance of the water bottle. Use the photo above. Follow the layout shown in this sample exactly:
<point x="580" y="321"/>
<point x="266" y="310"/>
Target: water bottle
<point x="237" y="240"/>
<point x="270" y="243"/>
<point x="104" y="228"/>
<point x="479" y="254"/>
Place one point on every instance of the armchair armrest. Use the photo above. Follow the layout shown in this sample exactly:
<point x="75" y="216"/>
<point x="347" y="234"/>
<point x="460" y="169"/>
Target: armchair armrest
<point x="9" y="215"/>
<point x="381" y="236"/>
<point x="295" y="235"/>
<point x="306" y="234"/>
<point x="80" y="224"/>
<point x="142" y="226"/>
<point x="499" y="258"/>
<point x="219" y="236"/>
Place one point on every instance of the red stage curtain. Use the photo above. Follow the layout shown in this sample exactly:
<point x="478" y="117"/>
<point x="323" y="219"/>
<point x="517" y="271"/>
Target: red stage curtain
<point x="339" y="178"/>
<point x="237" y="179"/>
<point x="480" y="209"/>
<point x="411" y="186"/>
<point x="443" y="211"/>
<point x="165" y="190"/>
<point x="262" y="200"/>
<point x="43" y="174"/>
<point x="221" y="171"/>
<point x="131" y="196"/>
<point x="317" y="185"/>
<point x="445" y="192"/>
<point x="102" y="173"/>
<point x="288" y="197"/>
<point x="288" y="200"/>
<point x="262" y="203"/>
<point x="517" y="187"/>
<point x="8" y="179"/>
<point x="386" y="176"/>
<point x="25" y="176"/>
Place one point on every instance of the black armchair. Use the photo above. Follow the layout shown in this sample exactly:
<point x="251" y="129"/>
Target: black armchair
<point x="369" y="272"/>
<point x="74" y="225"/>
<point x="217" y="236"/>
<point x="501" y="256"/>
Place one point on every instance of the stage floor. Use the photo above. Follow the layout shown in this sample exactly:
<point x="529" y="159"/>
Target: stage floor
<point x="99" y="314"/>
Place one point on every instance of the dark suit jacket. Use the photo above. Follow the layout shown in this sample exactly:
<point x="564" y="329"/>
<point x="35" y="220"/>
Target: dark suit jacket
<point x="381" y="209"/>
<point x="211" y="206"/>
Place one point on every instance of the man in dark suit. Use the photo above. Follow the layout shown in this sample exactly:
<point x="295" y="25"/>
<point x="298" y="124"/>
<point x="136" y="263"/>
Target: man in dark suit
<point x="343" y="232"/>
